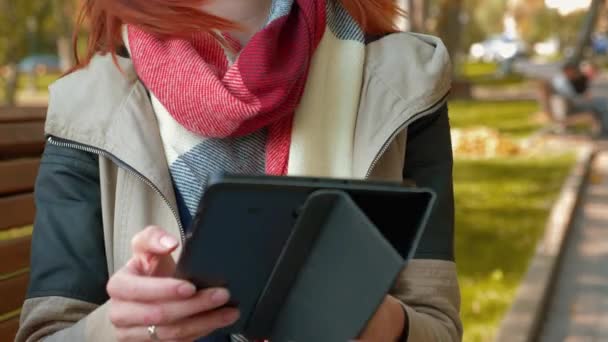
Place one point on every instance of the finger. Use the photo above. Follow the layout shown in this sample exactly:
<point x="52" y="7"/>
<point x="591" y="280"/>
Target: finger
<point x="164" y="267"/>
<point x="131" y="287"/>
<point x="153" y="247"/>
<point x="153" y="240"/>
<point x="129" y="314"/>
<point x="151" y="265"/>
<point x="188" y="329"/>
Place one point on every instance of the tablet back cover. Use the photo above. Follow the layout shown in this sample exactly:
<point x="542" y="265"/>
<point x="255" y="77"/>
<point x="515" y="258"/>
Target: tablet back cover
<point x="348" y="272"/>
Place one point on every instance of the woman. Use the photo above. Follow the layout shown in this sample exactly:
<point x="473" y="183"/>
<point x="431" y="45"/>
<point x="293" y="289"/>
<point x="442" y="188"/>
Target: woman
<point x="171" y="91"/>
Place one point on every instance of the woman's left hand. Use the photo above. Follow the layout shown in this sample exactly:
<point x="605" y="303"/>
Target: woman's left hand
<point x="387" y="324"/>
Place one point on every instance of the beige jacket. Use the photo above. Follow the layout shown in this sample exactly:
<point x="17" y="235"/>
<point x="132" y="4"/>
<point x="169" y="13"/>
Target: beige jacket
<point x="100" y="110"/>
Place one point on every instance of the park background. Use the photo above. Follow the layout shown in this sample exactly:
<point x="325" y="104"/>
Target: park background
<point x="509" y="165"/>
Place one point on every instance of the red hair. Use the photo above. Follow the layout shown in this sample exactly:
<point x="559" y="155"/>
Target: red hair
<point x="183" y="17"/>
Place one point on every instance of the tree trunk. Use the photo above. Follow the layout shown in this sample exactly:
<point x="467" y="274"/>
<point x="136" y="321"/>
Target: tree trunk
<point x="63" y="15"/>
<point x="418" y="11"/>
<point x="12" y="71"/>
<point x="10" y="85"/>
<point x="584" y="38"/>
<point x="64" y="52"/>
<point x="402" y="22"/>
<point x="449" y="26"/>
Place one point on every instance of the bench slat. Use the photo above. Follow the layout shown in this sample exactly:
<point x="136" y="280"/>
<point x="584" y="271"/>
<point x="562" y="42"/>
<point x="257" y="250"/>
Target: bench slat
<point x="17" y="211"/>
<point x="21" y="139"/>
<point x="8" y="329"/>
<point x="15" y="254"/>
<point x="13" y="292"/>
<point x="22" y="114"/>
<point x="18" y="175"/>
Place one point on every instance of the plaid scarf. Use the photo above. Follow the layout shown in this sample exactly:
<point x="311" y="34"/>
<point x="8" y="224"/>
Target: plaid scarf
<point x="185" y="104"/>
<point x="207" y="100"/>
<point x="212" y="97"/>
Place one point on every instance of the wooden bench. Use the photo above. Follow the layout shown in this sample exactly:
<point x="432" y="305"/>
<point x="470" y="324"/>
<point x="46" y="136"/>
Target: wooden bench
<point x="21" y="143"/>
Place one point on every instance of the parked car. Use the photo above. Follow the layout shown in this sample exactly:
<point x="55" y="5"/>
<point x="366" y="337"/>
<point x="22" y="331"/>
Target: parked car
<point x="497" y="49"/>
<point x="599" y="43"/>
<point x="40" y="64"/>
<point x="548" y="48"/>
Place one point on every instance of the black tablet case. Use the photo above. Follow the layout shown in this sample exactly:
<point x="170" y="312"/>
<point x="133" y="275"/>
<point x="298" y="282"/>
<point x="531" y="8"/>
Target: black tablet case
<point x="333" y="273"/>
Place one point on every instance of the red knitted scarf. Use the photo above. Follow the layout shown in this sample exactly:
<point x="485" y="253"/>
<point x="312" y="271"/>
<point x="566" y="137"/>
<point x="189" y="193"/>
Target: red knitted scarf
<point x="206" y="94"/>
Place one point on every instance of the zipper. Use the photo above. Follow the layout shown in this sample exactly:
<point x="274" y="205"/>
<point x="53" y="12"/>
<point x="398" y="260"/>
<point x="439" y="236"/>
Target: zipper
<point x="90" y="149"/>
<point x="429" y="110"/>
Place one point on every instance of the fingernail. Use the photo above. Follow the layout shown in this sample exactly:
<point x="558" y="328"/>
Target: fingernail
<point x="186" y="290"/>
<point x="168" y="241"/>
<point x="220" y="296"/>
<point x="231" y="317"/>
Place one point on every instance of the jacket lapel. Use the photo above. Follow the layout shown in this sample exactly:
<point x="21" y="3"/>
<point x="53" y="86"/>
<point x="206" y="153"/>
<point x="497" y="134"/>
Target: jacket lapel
<point x="406" y="77"/>
<point x="109" y="110"/>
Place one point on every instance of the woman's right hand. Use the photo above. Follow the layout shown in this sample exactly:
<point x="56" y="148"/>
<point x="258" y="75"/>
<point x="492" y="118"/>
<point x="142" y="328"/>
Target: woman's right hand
<point x="143" y="293"/>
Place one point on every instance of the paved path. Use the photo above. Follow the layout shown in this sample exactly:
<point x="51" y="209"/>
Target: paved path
<point x="578" y="311"/>
<point x="529" y="90"/>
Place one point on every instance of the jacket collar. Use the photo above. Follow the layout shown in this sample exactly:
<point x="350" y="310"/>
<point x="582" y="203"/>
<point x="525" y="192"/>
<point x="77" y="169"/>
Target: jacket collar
<point x="108" y="109"/>
<point x="406" y="76"/>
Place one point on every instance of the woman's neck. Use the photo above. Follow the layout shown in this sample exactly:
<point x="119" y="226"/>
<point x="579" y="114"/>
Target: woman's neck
<point x="250" y="15"/>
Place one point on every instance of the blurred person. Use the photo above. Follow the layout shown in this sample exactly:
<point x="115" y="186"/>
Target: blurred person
<point x="172" y="91"/>
<point x="590" y="69"/>
<point x="572" y="83"/>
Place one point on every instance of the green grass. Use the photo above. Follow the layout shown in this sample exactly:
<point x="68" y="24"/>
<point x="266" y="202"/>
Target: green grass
<point x="501" y="209"/>
<point x="514" y="118"/>
<point x="42" y="82"/>
<point x="477" y="69"/>
<point x="485" y="74"/>
<point x="502" y="205"/>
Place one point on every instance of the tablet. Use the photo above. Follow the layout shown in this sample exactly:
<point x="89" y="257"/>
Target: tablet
<point x="243" y="223"/>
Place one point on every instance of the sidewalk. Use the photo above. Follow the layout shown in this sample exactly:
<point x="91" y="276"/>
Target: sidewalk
<point x="529" y="89"/>
<point x="578" y="311"/>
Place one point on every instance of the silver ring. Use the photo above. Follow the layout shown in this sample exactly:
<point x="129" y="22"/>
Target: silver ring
<point x="152" y="332"/>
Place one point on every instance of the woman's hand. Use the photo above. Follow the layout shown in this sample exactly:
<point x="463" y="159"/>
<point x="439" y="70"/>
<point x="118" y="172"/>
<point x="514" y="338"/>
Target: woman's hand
<point x="143" y="293"/>
<point x="387" y="324"/>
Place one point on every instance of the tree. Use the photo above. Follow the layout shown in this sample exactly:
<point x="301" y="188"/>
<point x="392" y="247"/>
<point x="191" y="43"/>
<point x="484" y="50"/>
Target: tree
<point x="10" y="49"/>
<point x="488" y="14"/>
<point x="584" y="38"/>
<point x="418" y="13"/>
<point x="64" y="16"/>
<point x="32" y="27"/>
<point x="449" y="25"/>
<point x="484" y="19"/>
